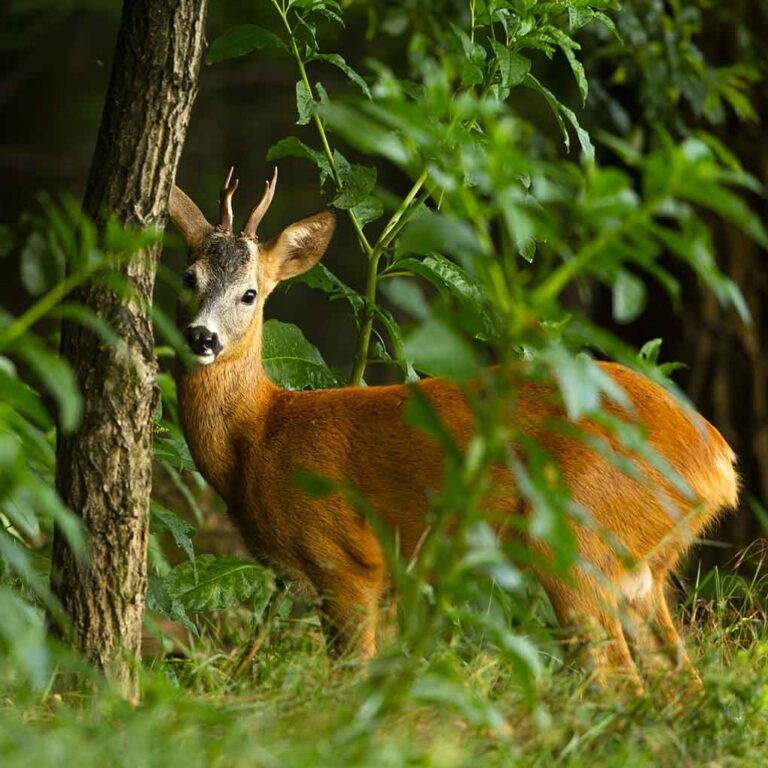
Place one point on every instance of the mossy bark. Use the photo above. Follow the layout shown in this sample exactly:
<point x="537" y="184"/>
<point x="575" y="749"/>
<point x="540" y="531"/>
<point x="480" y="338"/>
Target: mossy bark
<point x="104" y="468"/>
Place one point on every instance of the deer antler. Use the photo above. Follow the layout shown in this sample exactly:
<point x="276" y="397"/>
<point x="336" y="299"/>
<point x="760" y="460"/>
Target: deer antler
<point x="225" y="202"/>
<point x="257" y="214"/>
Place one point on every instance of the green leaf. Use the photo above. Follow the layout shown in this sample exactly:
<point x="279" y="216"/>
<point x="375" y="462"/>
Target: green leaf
<point x="86" y="317"/>
<point x="56" y="376"/>
<point x="304" y="104"/>
<point x="216" y="583"/>
<point x="582" y="382"/>
<point x="407" y="295"/>
<point x="47" y="502"/>
<point x="293" y="147"/>
<point x="585" y="142"/>
<point x="435" y="232"/>
<point x="568" y="46"/>
<point x="171" y="448"/>
<point x="513" y="67"/>
<point x="649" y="352"/>
<point x="321" y="277"/>
<point x="472" y="69"/>
<point x="338" y="61"/>
<point x="182" y="532"/>
<point x="23" y="637"/>
<point x="727" y="204"/>
<point x="398" y="346"/>
<point x="22" y="397"/>
<point x="291" y="361"/>
<point x="368" y="210"/>
<point x="364" y="133"/>
<point x="437" y="350"/>
<point x="357" y="182"/>
<point x="160" y="601"/>
<point x="559" y="110"/>
<point x="453" y="281"/>
<point x="6" y="240"/>
<point x="40" y="268"/>
<point x="628" y="297"/>
<point x="241" y="40"/>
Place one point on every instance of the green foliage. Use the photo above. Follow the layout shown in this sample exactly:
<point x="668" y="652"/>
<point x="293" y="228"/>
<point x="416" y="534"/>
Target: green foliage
<point x="240" y="41"/>
<point x="216" y="583"/>
<point x="499" y="222"/>
<point x="291" y="361"/>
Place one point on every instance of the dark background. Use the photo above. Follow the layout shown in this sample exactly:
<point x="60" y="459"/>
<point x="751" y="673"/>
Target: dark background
<point x="55" y="59"/>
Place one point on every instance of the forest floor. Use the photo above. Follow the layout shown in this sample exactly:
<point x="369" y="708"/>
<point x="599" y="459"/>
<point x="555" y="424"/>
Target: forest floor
<point x="291" y="706"/>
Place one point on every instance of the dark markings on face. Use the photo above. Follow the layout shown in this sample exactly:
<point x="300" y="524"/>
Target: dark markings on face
<point x="226" y="262"/>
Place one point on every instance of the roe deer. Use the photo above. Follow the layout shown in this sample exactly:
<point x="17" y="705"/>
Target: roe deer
<point x="248" y="436"/>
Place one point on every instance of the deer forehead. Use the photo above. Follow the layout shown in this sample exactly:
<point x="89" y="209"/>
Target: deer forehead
<point x="224" y="261"/>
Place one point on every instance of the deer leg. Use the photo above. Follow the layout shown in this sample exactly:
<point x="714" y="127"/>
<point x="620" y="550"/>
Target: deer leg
<point x="591" y="614"/>
<point x="655" y="631"/>
<point x="348" y="608"/>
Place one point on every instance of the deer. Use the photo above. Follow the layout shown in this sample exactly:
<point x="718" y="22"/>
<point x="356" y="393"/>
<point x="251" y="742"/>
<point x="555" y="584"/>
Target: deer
<point x="248" y="437"/>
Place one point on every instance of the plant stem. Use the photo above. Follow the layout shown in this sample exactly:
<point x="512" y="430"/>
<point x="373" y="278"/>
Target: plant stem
<point x="364" y="244"/>
<point x="42" y="307"/>
<point x="371" y="280"/>
<point x="563" y="275"/>
<point x="393" y="226"/>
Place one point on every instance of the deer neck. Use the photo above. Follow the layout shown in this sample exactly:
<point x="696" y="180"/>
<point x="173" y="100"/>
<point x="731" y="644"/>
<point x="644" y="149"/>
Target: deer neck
<point x="218" y="402"/>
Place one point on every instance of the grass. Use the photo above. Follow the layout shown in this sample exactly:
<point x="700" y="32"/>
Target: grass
<point x="292" y="706"/>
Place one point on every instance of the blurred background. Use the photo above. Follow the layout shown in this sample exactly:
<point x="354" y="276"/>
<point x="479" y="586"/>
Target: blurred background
<point x="682" y="66"/>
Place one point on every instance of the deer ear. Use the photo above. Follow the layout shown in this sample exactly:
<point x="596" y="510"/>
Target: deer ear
<point x="188" y="218"/>
<point x="298" y="247"/>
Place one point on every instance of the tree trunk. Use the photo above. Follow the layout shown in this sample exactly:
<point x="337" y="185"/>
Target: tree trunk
<point x="103" y="470"/>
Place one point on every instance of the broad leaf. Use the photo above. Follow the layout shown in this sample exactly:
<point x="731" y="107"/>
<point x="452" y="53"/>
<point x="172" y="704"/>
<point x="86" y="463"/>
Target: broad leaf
<point x="240" y="41"/>
<point x="357" y="182"/>
<point x="293" y="147"/>
<point x="163" y="520"/>
<point x="436" y="349"/>
<point x="216" y="583"/>
<point x="338" y="61"/>
<point x="291" y="361"/>
<point x="321" y="277"/>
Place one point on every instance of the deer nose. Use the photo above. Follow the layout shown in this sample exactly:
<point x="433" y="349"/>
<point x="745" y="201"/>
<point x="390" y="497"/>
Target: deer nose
<point x="202" y="341"/>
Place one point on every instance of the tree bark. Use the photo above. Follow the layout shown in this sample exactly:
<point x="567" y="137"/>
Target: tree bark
<point x="103" y="469"/>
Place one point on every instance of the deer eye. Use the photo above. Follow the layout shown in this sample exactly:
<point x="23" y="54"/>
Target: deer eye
<point x="189" y="280"/>
<point x="249" y="297"/>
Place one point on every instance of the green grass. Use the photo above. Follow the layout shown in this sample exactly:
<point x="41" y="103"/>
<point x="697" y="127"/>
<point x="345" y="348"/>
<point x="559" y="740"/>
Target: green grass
<point x="292" y="706"/>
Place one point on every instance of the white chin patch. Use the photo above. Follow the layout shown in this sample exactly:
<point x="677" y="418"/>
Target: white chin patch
<point x="206" y="359"/>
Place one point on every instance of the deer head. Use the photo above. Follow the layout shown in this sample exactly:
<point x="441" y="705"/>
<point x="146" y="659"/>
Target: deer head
<point x="229" y="276"/>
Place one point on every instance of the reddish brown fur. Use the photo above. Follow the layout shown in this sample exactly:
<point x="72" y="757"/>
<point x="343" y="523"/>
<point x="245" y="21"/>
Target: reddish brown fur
<point x="248" y="437"/>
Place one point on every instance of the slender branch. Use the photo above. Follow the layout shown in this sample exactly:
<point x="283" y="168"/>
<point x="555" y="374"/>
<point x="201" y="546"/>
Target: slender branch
<point x="43" y="306"/>
<point x="371" y="280"/>
<point x="390" y="231"/>
<point x="556" y="282"/>
<point x="364" y="244"/>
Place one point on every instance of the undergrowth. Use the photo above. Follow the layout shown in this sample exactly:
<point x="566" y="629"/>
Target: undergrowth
<point x="292" y="705"/>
